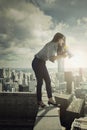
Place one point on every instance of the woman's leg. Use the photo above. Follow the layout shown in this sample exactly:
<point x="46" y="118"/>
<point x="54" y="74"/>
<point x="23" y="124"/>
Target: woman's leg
<point x="37" y="66"/>
<point x="48" y="87"/>
<point x="39" y="88"/>
<point x="47" y="82"/>
<point x="42" y="73"/>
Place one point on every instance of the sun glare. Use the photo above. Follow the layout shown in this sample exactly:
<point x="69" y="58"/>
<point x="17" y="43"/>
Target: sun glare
<point x="77" y="61"/>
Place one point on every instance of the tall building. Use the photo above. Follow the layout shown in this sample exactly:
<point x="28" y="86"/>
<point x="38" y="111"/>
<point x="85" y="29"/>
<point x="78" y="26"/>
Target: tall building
<point x="68" y="78"/>
<point x="62" y="83"/>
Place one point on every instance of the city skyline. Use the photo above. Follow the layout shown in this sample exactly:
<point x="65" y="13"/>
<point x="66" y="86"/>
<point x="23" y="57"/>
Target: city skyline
<point x="27" y="25"/>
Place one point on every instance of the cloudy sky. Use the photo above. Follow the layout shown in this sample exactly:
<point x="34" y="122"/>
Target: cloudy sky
<point x="27" y="25"/>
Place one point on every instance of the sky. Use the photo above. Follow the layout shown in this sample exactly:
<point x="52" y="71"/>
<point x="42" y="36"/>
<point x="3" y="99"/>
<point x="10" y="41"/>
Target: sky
<point x="27" y="25"/>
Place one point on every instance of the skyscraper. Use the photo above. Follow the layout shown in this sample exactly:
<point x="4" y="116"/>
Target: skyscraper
<point x="62" y="83"/>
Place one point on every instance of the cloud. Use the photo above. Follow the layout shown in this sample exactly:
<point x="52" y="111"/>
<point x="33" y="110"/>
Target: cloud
<point x="25" y="27"/>
<point x="82" y="21"/>
<point x="61" y="27"/>
<point x="28" y="23"/>
<point x="50" y="1"/>
<point x="22" y="28"/>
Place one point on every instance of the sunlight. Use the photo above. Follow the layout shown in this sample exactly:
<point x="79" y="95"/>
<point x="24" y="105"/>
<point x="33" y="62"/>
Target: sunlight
<point x="77" y="61"/>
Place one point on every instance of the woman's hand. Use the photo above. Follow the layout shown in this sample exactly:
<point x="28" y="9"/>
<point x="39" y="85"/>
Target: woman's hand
<point x="53" y="58"/>
<point x="64" y="55"/>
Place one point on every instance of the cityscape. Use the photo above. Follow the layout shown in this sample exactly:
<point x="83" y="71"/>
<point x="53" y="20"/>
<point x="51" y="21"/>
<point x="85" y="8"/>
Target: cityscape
<point x="25" y="27"/>
<point x="70" y="85"/>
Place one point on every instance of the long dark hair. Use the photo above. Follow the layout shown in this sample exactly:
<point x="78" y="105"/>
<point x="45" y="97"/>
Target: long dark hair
<point x="56" y="37"/>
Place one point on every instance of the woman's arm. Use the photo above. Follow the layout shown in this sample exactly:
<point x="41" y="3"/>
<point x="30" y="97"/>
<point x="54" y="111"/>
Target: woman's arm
<point x="53" y="58"/>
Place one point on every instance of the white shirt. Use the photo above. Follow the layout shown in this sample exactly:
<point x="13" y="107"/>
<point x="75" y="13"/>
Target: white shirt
<point x="49" y="50"/>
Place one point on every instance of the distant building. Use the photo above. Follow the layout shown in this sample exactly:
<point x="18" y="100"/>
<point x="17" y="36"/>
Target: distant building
<point x="2" y="73"/>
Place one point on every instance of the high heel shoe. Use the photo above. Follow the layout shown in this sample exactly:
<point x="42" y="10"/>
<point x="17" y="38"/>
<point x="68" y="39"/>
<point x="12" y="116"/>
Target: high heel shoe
<point x="41" y="104"/>
<point x="52" y="103"/>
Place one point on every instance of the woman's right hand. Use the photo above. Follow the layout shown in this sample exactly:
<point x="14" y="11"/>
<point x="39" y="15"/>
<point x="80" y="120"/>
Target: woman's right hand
<point x="64" y="55"/>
